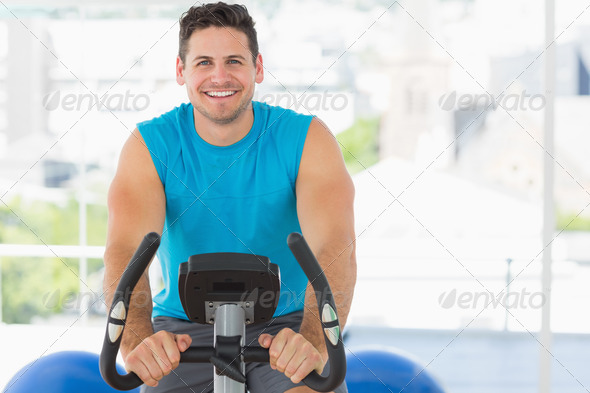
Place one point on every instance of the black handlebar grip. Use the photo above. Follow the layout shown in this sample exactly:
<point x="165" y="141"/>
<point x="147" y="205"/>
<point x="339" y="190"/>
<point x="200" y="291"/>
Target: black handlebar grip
<point x="256" y="354"/>
<point x="119" y="311"/>
<point x="197" y="355"/>
<point x="328" y="314"/>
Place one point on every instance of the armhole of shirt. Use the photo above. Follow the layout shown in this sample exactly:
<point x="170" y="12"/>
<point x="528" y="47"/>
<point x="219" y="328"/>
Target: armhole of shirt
<point x="155" y="150"/>
<point x="304" y="123"/>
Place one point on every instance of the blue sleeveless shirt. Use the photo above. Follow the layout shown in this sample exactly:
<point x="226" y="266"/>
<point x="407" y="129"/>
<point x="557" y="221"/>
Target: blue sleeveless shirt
<point x="237" y="198"/>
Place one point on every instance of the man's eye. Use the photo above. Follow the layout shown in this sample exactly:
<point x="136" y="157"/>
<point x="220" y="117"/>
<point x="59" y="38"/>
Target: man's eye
<point x="233" y="61"/>
<point x="204" y="62"/>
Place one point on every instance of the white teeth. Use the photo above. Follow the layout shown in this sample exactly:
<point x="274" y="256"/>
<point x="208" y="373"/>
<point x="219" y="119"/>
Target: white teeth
<point x="220" y="93"/>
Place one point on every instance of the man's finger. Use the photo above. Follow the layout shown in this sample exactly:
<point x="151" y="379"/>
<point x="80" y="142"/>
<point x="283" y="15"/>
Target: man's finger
<point x="168" y="354"/>
<point x="276" y="348"/>
<point x="136" y="365"/>
<point x="265" y="340"/>
<point x="183" y="341"/>
<point x="160" y="364"/>
<point x="305" y="367"/>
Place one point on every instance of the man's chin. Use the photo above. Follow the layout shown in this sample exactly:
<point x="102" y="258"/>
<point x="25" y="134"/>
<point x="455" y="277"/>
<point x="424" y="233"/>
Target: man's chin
<point x="223" y="120"/>
<point x="224" y="116"/>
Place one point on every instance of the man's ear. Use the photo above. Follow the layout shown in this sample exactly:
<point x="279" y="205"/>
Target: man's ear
<point x="259" y="69"/>
<point x="179" y="71"/>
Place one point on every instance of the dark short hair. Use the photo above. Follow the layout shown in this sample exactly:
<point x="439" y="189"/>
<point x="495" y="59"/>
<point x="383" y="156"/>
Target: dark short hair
<point x="219" y="15"/>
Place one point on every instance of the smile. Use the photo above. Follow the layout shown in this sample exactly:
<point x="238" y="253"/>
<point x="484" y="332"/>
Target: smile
<point x="220" y="93"/>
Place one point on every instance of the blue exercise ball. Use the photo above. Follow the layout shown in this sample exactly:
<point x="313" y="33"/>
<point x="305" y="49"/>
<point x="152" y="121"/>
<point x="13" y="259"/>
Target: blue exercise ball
<point x="61" y="372"/>
<point x="387" y="371"/>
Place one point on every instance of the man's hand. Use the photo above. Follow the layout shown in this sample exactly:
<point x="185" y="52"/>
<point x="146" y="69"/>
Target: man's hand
<point x="156" y="356"/>
<point x="292" y="354"/>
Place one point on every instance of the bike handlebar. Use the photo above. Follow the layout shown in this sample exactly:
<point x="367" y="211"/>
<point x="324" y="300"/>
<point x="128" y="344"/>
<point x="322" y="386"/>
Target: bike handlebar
<point x="139" y="262"/>
<point x="328" y="316"/>
<point x="118" y="314"/>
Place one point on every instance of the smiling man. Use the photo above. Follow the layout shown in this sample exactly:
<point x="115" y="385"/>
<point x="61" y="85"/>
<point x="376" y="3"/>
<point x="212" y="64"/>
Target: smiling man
<point x="223" y="173"/>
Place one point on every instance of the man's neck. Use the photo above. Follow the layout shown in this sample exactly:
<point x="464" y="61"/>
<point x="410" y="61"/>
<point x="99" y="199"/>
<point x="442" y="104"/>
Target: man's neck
<point x="224" y="134"/>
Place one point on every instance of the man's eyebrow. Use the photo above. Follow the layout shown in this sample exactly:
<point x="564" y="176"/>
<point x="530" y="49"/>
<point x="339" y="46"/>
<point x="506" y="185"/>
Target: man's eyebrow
<point x="204" y="57"/>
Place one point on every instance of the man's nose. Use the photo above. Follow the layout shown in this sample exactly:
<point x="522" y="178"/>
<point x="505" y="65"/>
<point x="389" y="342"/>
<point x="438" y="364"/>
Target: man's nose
<point x="219" y="75"/>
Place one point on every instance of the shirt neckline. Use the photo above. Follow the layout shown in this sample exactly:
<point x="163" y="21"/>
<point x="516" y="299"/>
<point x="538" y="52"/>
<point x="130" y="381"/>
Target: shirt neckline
<point x="242" y="143"/>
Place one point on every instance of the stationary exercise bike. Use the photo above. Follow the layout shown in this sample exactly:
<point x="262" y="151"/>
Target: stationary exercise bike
<point x="226" y="290"/>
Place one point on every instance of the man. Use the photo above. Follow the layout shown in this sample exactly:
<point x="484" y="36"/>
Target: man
<point x="228" y="174"/>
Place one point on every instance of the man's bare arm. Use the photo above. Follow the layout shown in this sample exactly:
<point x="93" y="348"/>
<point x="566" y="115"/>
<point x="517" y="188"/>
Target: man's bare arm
<point x="137" y="206"/>
<point x="325" y="196"/>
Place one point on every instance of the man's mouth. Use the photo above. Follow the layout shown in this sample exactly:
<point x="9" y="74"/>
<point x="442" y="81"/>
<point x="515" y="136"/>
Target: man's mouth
<point x="224" y="93"/>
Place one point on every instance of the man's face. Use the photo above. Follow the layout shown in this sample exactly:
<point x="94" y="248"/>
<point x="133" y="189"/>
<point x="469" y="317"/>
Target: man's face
<point x="219" y="73"/>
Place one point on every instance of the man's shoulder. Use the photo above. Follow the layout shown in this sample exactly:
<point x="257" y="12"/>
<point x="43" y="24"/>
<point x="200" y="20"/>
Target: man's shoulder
<point x="166" y="121"/>
<point x="280" y="116"/>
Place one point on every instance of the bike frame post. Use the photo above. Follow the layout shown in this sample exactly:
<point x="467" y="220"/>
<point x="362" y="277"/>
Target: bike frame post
<point x="229" y="321"/>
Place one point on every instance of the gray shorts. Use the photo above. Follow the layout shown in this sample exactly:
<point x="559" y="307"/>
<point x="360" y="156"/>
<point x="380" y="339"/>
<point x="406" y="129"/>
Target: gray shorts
<point x="198" y="377"/>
